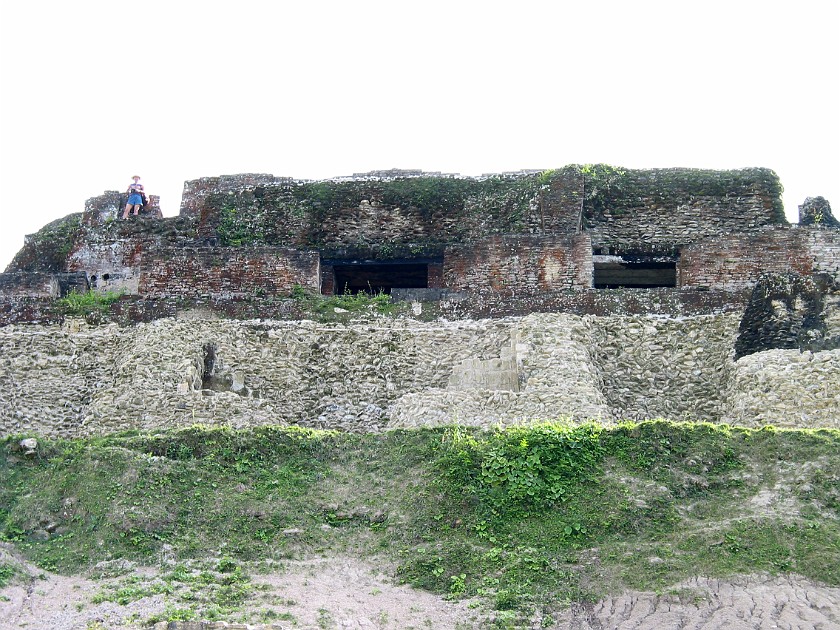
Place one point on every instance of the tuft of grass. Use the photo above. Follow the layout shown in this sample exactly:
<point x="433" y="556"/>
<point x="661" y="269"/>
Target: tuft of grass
<point x="7" y="572"/>
<point x="89" y="303"/>
<point x="353" y="303"/>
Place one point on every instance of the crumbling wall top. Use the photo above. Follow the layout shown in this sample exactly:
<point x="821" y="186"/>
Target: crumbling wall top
<point x="817" y="211"/>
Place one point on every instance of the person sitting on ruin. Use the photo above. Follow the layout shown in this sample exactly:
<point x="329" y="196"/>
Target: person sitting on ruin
<point x="135" y="197"/>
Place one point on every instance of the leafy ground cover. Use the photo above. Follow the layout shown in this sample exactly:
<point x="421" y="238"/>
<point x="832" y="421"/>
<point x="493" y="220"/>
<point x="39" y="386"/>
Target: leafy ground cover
<point x="526" y="519"/>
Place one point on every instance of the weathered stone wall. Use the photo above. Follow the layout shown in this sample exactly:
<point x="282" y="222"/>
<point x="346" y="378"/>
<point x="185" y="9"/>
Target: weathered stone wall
<point x="371" y="217"/>
<point x="404" y="216"/>
<point x="197" y="190"/>
<point x="817" y="211"/>
<point x="656" y="367"/>
<point x="629" y="210"/>
<point x="786" y="388"/>
<point x="384" y="372"/>
<point x="110" y="206"/>
<point x="47" y="249"/>
<point x="735" y="261"/>
<point x="17" y="284"/>
<point x="111" y="266"/>
<point x="556" y="380"/>
<point x="601" y="302"/>
<point x="520" y="264"/>
<point x="228" y="271"/>
<point x="177" y="372"/>
<point x="111" y="254"/>
<point x="428" y="304"/>
<point x="49" y="376"/>
<point x="561" y="203"/>
<point x="788" y="311"/>
<point x="657" y="210"/>
<point x="824" y="247"/>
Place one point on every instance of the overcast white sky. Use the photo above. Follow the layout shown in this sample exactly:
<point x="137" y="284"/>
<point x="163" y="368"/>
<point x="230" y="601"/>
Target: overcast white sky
<point x="93" y="92"/>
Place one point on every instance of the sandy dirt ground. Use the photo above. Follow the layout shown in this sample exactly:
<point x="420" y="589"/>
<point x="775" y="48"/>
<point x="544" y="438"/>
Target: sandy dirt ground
<point x="346" y="594"/>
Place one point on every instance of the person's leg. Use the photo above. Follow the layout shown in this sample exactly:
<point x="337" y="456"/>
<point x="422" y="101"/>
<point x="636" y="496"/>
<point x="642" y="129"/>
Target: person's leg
<point x="136" y="209"/>
<point x="127" y="210"/>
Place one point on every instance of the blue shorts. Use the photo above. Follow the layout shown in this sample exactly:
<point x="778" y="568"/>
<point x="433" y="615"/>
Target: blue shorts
<point x="135" y="200"/>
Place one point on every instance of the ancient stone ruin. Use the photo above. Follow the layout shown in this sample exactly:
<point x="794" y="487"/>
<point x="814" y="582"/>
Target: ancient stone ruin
<point x="583" y="292"/>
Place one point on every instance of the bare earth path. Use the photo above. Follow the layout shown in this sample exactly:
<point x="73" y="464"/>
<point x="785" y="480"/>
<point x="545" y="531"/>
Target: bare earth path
<point x="347" y="594"/>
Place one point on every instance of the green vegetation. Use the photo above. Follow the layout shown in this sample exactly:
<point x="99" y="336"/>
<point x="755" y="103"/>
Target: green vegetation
<point x="324" y="306"/>
<point x="451" y="210"/>
<point x="525" y="519"/>
<point x="427" y="194"/>
<point x="302" y="215"/>
<point x="88" y="304"/>
<point x="7" y="572"/>
<point x="237" y="228"/>
<point x="207" y="591"/>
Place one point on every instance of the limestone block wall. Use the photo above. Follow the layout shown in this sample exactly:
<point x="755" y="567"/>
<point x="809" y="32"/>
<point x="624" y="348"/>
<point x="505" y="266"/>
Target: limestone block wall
<point x="630" y="210"/>
<point x="111" y="266"/>
<point x="366" y="376"/>
<point x="561" y="203"/>
<point x="375" y="213"/>
<point x="527" y="264"/>
<point x="19" y="286"/>
<point x="735" y="261"/>
<point x="372" y="221"/>
<point x="179" y="372"/>
<point x="49" y="376"/>
<point x="227" y="271"/>
<point x="47" y="249"/>
<point x="556" y="379"/>
<point x="675" y="368"/>
<point x="786" y="388"/>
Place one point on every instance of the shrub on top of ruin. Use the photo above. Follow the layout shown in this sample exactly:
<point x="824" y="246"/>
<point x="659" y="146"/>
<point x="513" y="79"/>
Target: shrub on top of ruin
<point x="545" y="177"/>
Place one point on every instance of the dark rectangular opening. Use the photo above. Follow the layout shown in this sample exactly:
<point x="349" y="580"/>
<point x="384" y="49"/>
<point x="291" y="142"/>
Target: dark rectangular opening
<point x="379" y="277"/>
<point x="634" y="271"/>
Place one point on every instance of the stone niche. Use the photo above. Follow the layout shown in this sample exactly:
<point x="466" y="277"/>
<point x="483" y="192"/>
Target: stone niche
<point x="216" y="377"/>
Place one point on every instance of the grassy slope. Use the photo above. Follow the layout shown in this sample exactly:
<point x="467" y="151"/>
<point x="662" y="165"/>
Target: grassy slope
<point x="526" y="518"/>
